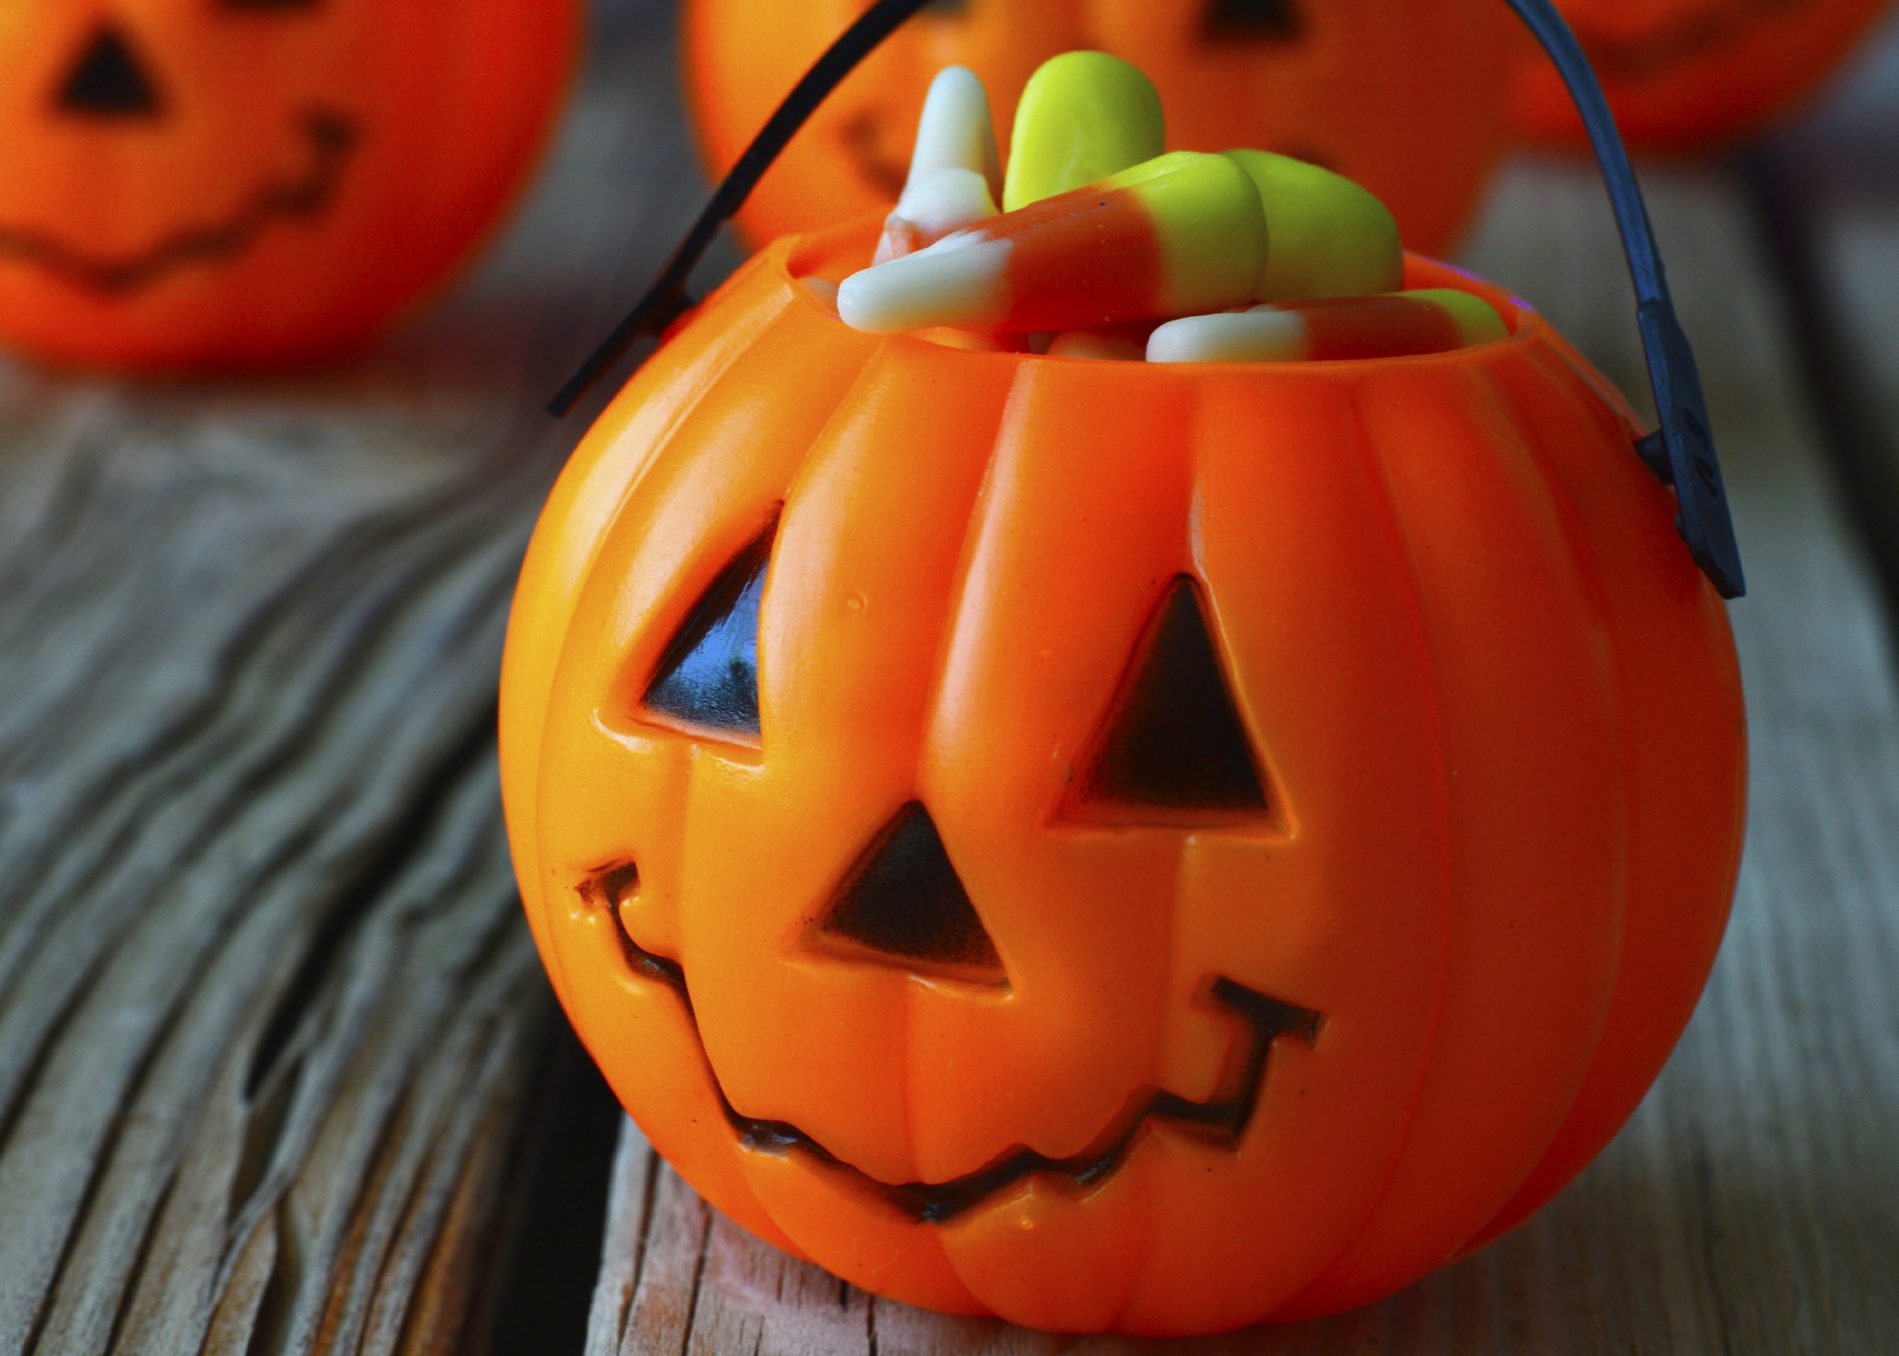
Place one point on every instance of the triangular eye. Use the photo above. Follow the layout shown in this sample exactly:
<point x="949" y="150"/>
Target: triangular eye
<point x="1175" y="747"/>
<point x="1253" y="21"/>
<point x="904" y="904"/>
<point x="708" y="679"/>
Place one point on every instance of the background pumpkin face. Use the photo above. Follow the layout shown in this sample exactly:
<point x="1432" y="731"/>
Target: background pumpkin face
<point x="1406" y="98"/>
<point x="1154" y="880"/>
<point x="241" y="182"/>
<point x="1689" y="75"/>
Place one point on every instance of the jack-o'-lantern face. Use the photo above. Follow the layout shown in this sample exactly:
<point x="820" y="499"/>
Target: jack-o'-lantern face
<point x="208" y="182"/>
<point x="1693" y="74"/>
<point x="1108" y="844"/>
<point x="880" y="919"/>
<point x="1405" y="99"/>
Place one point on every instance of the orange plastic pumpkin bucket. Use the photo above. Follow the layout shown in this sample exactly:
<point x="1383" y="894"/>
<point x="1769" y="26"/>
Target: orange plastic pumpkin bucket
<point x="1124" y="847"/>
<point x="1696" y="75"/>
<point x="220" y="185"/>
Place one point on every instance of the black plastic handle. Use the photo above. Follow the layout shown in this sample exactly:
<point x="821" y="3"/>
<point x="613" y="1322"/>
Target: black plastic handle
<point x="1681" y="452"/>
<point x="667" y="298"/>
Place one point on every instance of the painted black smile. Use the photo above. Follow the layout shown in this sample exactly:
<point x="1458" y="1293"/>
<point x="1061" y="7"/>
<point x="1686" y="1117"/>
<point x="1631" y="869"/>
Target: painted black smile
<point x="1679" y="40"/>
<point x="1222" y="1119"/>
<point x="331" y="138"/>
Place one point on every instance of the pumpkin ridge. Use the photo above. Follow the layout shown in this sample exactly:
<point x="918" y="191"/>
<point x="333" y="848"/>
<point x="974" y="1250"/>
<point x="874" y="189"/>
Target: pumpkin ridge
<point x="761" y="533"/>
<point x="1561" y="388"/>
<point x="1144" y="1241"/>
<point x="1589" y="570"/>
<point x="732" y="344"/>
<point x="727" y="354"/>
<point x="993" y="417"/>
<point x="882" y="366"/>
<point x="1400" y="549"/>
<point x="1488" y="403"/>
<point x="976" y="525"/>
<point x="719" y="352"/>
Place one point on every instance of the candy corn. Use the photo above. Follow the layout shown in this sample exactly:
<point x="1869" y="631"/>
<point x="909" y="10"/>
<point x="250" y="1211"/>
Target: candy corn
<point x="1083" y="117"/>
<point x="1125" y="345"/>
<point x="1333" y="329"/>
<point x="954" y="169"/>
<point x="976" y="341"/>
<point x="943" y="202"/>
<point x="1331" y="238"/>
<point x="1179" y="235"/>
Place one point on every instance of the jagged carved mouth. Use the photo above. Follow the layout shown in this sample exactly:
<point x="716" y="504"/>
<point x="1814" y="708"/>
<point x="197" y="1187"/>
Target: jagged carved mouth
<point x="1221" y="1119"/>
<point x="1681" y="39"/>
<point x="330" y="137"/>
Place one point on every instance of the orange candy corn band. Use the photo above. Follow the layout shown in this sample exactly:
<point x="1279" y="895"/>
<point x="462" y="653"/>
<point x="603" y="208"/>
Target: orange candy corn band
<point x="1178" y="235"/>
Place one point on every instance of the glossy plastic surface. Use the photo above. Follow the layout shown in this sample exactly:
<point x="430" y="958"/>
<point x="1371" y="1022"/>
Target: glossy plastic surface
<point x="1242" y="1064"/>
<point x="213" y="185"/>
<point x="1695" y="75"/>
<point x="1405" y="99"/>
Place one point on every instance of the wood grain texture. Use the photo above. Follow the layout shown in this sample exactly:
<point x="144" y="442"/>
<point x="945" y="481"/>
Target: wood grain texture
<point x="1829" y="209"/>
<point x="270" y="1022"/>
<point x="1752" y="1206"/>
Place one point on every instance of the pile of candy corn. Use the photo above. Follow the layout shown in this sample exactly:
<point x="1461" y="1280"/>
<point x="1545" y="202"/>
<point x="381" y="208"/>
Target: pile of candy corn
<point x="1098" y="243"/>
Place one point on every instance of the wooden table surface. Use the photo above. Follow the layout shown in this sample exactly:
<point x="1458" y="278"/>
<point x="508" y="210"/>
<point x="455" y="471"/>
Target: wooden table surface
<point x="278" y="1069"/>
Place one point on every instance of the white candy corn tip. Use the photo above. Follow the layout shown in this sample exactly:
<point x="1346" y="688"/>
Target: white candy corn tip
<point x="1263" y="335"/>
<point x="956" y="130"/>
<point x="941" y="202"/>
<point x="961" y="280"/>
<point x="948" y="200"/>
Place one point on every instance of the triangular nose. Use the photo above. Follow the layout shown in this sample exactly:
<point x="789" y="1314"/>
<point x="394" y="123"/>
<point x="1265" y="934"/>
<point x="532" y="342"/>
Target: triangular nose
<point x="107" y="81"/>
<point x="903" y="903"/>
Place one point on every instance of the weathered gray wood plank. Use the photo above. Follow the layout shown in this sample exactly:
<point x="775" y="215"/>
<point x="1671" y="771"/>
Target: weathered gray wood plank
<point x="1841" y="231"/>
<point x="269" y="1017"/>
<point x="1752" y="1206"/>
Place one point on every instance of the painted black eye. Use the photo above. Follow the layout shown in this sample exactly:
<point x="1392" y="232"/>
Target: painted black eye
<point x="708" y="679"/>
<point x="1254" y="21"/>
<point x="1174" y="744"/>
